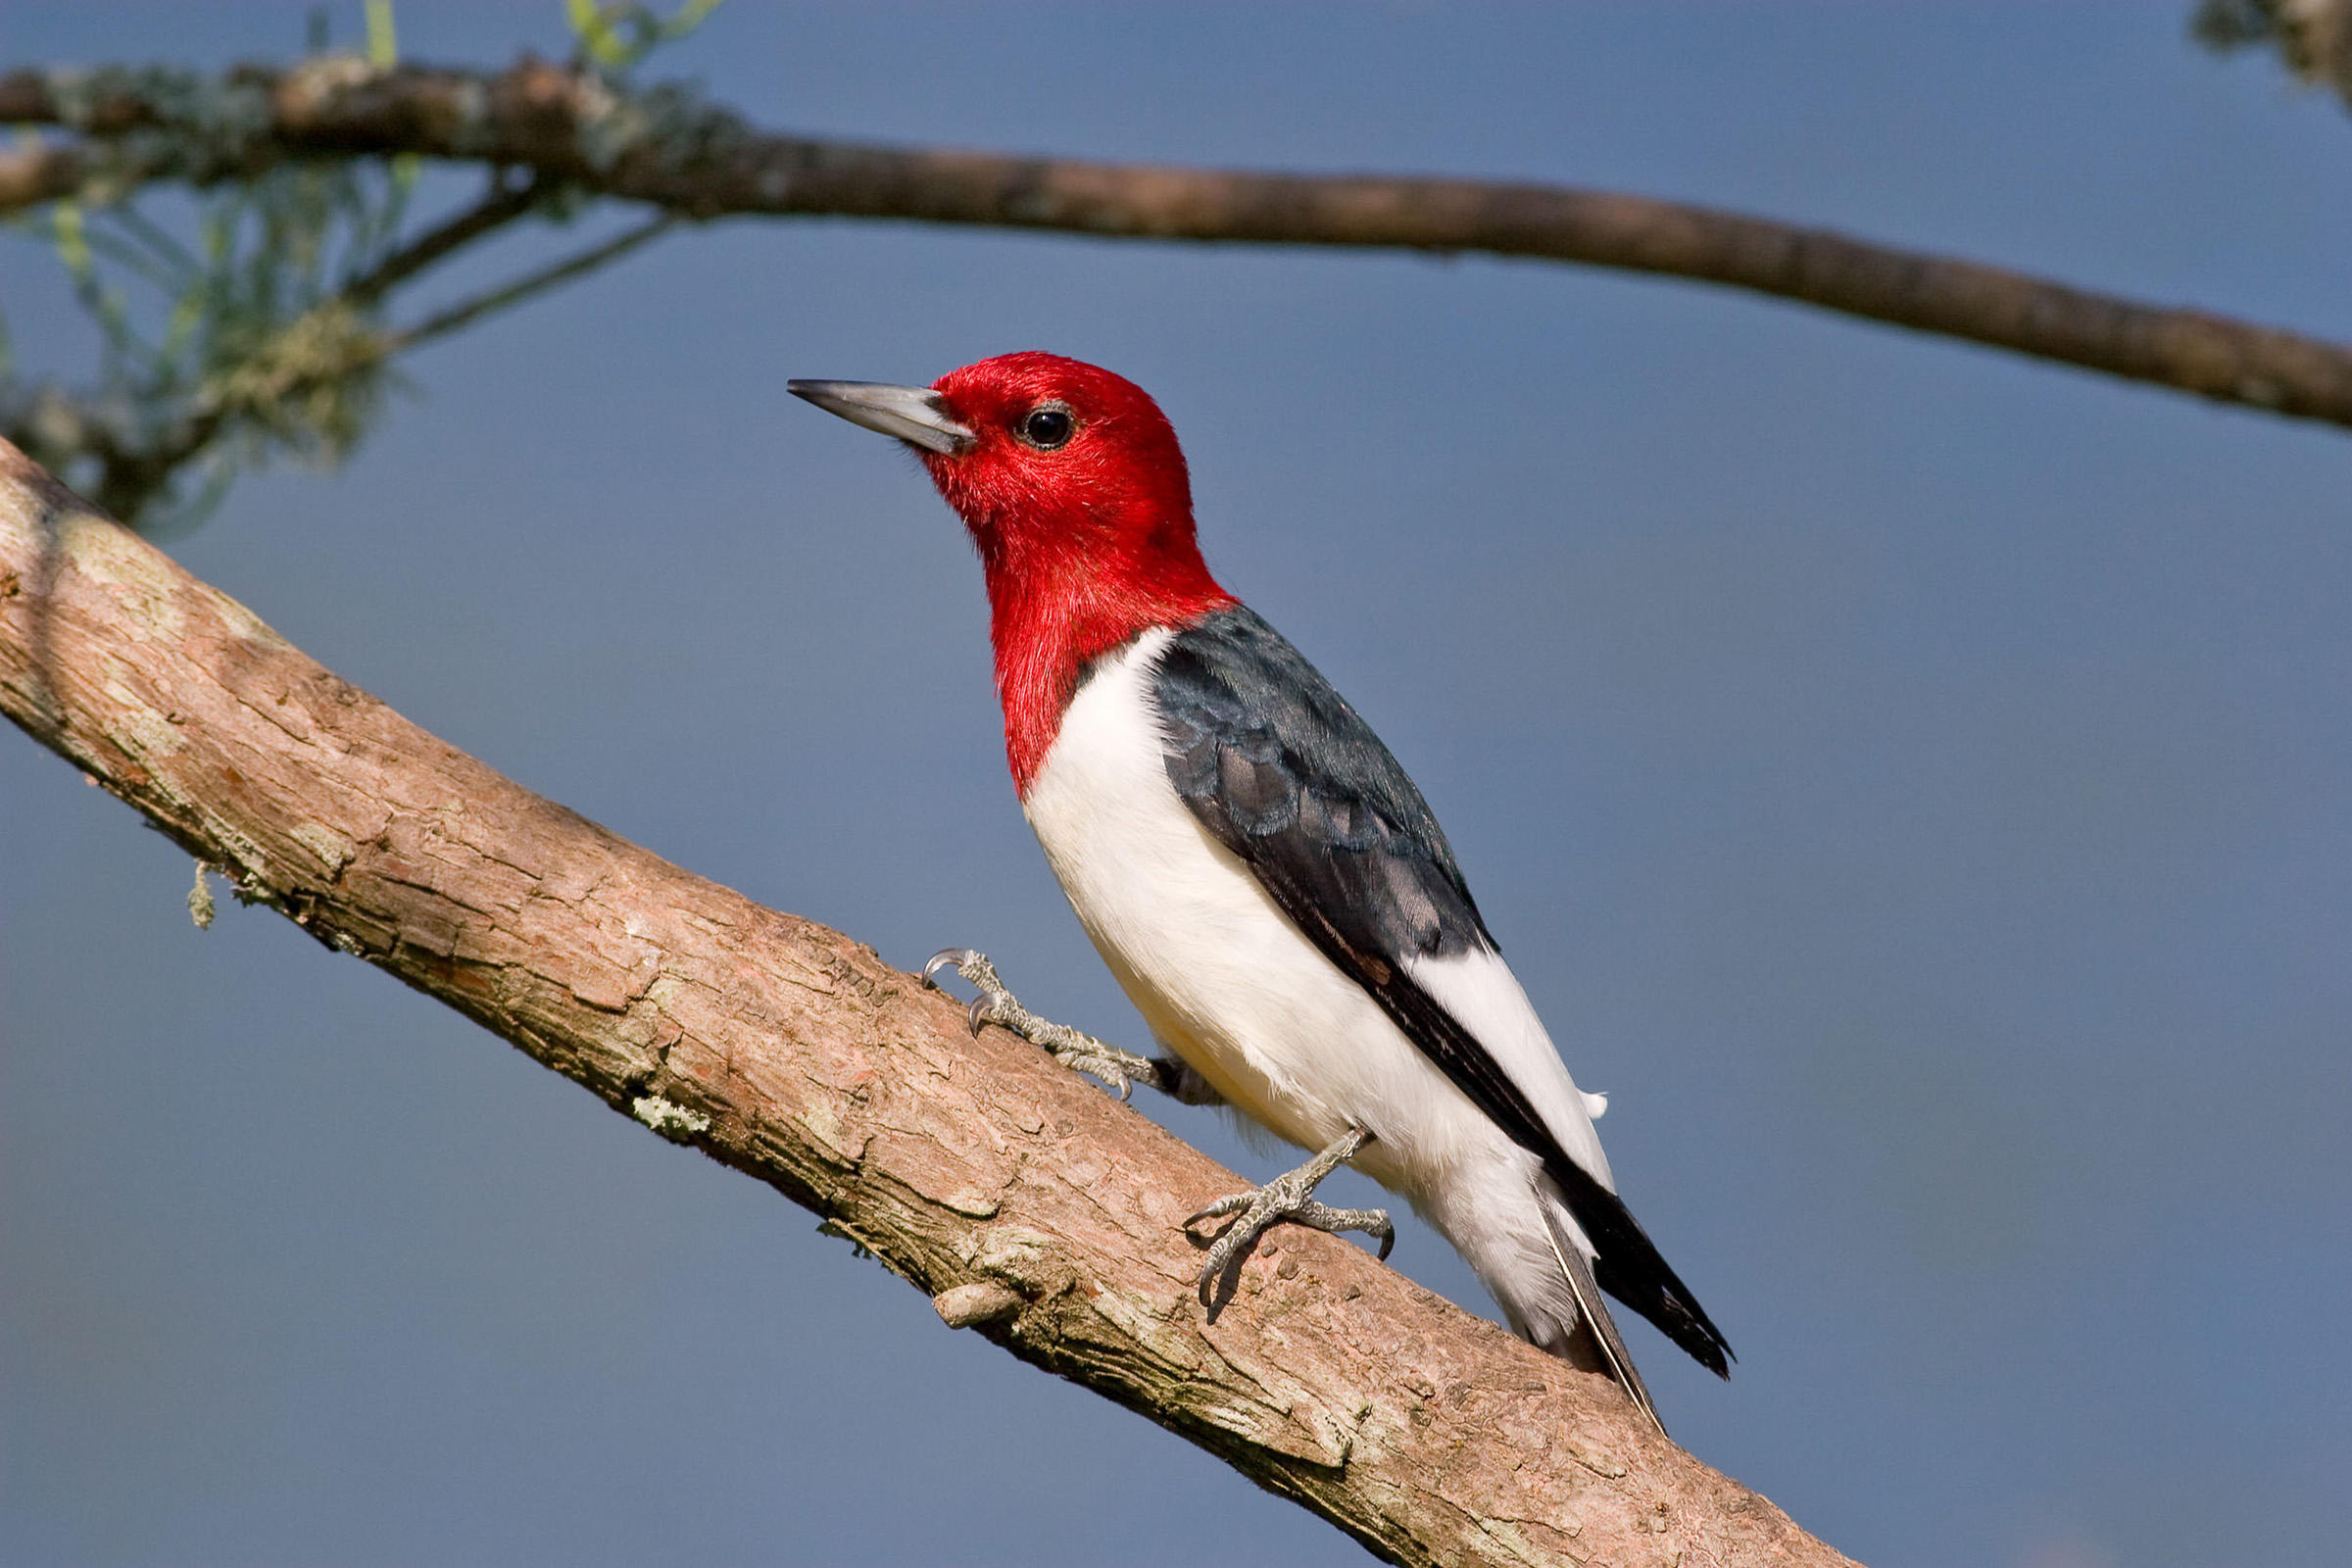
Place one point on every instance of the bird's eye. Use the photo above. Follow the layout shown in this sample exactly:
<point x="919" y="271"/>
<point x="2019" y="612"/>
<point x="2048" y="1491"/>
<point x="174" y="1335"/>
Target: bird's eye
<point x="1048" y="427"/>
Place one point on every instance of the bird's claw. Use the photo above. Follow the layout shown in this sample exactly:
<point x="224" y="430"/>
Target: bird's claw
<point x="1080" y="1053"/>
<point x="1288" y="1196"/>
<point x="994" y="1003"/>
<point x="974" y="966"/>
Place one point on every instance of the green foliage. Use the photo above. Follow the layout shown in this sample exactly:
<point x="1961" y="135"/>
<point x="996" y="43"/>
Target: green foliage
<point x="259" y="329"/>
<point x="615" y="36"/>
<point x="383" y="42"/>
<point x="256" y="338"/>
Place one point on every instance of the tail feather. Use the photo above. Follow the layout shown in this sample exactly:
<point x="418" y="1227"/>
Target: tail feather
<point x="1577" y="1270"/>
<point x="1627" y="1266"/>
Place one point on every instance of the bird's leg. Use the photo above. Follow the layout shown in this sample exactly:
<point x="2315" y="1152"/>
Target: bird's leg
<point x="1083" y="1053"/>
<point x="1288" y="1196"/>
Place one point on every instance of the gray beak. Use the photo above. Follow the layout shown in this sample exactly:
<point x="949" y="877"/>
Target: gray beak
<point x="914" y="415"/>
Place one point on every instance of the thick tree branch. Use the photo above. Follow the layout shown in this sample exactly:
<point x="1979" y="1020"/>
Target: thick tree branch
<point x="666" y="147"/>
<point x="1034" y="1208"/>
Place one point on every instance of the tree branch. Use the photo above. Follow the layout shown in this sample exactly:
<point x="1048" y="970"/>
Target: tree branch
<point x="38" y="172"/>
<point x="1031" y="1206"/>
<point x="449" y="320"/>
<point x="500" y="205"/>
<point x="666" y="147"/>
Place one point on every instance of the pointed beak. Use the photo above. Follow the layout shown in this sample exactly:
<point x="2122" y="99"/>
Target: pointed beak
<point x="914" y="415"/>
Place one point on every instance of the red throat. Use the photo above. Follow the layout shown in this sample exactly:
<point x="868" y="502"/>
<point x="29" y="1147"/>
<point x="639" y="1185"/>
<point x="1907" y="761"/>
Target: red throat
<point x="1085" y="545"/>
<point x="1045" y="632"/>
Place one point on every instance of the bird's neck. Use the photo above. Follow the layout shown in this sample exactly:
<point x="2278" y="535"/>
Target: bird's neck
<point x="1051" y="617"/>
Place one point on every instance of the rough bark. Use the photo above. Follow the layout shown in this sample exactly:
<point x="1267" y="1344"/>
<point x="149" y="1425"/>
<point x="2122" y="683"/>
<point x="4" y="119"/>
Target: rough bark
<point x="1033" y="1207"/>
<point x="666" y="147"/>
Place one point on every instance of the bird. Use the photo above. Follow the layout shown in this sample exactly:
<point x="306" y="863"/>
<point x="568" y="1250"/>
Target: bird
<point x="1258" y="872"/>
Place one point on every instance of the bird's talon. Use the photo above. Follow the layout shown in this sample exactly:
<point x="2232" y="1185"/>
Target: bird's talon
<point x="969" y="963"/>
<point x="1077" y="1052"/>
<point x="1288" y="1196"/>
<point x="1116" y="1081"/>
<point x="1221" y="1207"/>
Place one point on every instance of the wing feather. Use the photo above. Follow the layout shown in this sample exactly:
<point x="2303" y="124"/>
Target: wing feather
<point x="1283" y="772"/>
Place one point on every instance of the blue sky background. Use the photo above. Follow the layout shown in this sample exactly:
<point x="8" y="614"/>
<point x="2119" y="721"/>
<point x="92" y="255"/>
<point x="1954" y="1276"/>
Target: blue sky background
<point x="1910" y="779"/>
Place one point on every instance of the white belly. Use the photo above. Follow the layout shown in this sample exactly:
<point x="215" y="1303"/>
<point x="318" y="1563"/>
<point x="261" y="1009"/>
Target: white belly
<point x="1218" y="972"/>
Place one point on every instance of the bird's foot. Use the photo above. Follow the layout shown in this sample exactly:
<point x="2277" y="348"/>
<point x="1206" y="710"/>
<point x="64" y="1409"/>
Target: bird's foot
<point x="1082" y="1052"/>
<point x="1290" y="1198"/>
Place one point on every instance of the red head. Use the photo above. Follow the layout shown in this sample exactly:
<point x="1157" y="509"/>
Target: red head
<point x="1075" y="492"/>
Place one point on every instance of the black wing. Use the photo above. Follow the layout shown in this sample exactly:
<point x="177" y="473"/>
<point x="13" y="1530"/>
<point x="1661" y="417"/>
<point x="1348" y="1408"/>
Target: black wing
<point x="1277" y="766"/>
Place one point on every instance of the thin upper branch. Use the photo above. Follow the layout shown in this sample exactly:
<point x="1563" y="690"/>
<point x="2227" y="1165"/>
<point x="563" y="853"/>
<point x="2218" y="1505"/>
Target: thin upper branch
<point x="500" y="205"/>
<point x="666" y="147"/>
<point x="1032" y="1206"/>
<point x="449" y="320"/>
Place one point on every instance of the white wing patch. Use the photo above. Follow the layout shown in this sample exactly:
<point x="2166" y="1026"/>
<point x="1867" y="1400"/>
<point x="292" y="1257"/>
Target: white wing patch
<point x="1478" y="989"/>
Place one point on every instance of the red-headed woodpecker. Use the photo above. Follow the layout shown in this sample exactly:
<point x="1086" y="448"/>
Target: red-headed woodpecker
<point x="1263" y="879"/>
